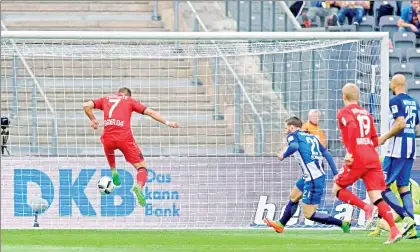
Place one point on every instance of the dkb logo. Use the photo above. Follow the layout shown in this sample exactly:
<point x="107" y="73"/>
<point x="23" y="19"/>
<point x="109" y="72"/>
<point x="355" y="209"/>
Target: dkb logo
<point x="72" y="190"/>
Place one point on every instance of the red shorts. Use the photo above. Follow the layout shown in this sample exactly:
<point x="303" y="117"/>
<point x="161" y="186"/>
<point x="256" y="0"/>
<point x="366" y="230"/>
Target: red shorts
<point x="130" y="150"/>
<point x="373" y="178"/>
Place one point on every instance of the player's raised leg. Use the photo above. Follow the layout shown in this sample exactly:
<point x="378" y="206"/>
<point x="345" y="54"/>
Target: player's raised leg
<point x="344" y="179"/>
<point x="310" y="213"/>
<point x="141" y="178"/>
<point x="133" y="155"/>
<point x="289" y="210"/>
<point x="109" y="149"/>
<point x="312" y="194"/>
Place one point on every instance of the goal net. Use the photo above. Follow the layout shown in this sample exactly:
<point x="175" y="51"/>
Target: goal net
<point x="230" y="96"/>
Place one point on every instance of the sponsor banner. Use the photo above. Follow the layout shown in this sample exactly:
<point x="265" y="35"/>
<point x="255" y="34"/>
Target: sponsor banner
<point x="181" y="192"/>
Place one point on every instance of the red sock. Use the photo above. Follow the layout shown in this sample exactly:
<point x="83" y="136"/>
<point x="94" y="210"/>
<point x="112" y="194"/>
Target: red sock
<point x="141" y="176"/>
<point x="348" y="197"/>
<point x="386" y="213"/>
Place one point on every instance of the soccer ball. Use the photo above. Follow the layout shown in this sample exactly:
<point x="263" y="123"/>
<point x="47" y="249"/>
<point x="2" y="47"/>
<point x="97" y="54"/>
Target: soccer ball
<point x="105" y="185"/>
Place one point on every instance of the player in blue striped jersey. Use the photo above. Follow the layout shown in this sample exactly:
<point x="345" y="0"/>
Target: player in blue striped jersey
<point x="401" y="152"/>
<point x="309" y="153"/>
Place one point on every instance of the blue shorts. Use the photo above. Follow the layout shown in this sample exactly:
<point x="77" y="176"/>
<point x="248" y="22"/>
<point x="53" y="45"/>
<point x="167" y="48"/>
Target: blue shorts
<point x="397" y="169"/>
<point x="312" y="190"/>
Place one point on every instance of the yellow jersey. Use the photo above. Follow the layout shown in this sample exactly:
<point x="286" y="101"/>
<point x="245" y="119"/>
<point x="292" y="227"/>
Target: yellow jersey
<point x="415" y="192"/>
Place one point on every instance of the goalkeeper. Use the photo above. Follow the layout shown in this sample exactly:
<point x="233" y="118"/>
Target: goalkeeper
<point x="415" y="191"/>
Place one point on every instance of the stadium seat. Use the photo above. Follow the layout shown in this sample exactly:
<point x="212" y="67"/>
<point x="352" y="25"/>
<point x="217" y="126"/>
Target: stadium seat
<point x="367" y="24"/>
<point x="389" y="24"/>
<point x="413" y="57"/>
<point x="404" y="40"/>
<point x="377" y="5"/>
<point x="343" y="28"/>
<point x="395" y="57"/>
<point x="406" y="69"/>
<point x="413" y="86"/>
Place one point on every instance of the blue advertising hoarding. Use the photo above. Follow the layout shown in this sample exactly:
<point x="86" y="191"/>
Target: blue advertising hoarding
<point x="181" y="192"/>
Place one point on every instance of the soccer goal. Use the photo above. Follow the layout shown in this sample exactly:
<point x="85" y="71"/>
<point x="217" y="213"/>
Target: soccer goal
<point x="231" y="93"/>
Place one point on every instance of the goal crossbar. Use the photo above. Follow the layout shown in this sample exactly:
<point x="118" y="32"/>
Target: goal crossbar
<point x="193" y="35"/>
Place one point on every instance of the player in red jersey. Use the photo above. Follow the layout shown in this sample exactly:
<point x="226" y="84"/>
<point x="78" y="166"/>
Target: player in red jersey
<point x="362" y="161"/>
<point x="117" y="133"/>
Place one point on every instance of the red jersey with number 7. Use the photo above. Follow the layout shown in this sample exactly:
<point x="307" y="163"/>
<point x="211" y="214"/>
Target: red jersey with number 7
<point x="359" y="136"/>
<point x="117" y="115"/>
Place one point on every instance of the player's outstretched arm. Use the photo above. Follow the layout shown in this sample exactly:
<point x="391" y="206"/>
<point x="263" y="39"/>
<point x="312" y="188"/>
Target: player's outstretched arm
<point x="330" y="160"/>
<point x="158" y="117"/>
<point x="88" y="108"/>
<point x="292" y="148"/>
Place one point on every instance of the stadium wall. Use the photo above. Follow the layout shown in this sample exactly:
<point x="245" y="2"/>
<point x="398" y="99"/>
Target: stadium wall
<point x="182" y="192"/>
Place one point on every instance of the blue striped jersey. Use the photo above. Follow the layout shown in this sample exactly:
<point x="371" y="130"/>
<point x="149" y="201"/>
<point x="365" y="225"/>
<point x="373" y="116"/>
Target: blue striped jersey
<point x="309" y="155"/>
<point x="403" y="145"/>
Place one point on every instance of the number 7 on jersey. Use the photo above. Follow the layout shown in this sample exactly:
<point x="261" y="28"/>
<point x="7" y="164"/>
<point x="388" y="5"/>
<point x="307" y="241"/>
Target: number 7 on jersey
<point x="114" y="105"/>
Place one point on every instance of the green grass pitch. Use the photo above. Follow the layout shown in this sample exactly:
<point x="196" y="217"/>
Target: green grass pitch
<point x="196" y="240"/>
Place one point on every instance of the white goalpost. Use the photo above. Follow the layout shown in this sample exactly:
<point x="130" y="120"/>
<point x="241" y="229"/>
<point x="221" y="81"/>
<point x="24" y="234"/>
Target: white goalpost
<point x="231" y="93"/>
